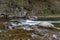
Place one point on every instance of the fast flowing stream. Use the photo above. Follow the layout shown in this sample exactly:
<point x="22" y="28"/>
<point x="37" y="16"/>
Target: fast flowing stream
<point x="18" y="29"/>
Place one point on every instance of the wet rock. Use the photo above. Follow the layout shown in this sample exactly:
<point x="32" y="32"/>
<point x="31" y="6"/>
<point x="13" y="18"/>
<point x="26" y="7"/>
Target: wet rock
<point x="34" y="36"/>
<point x="14" y="20"/>
<point x="27" y="28"/>
<point x="33" y="18"/>
<point x="55" y="36"/>
<point x="11" y="17"/>
<point x="46" y="25"/>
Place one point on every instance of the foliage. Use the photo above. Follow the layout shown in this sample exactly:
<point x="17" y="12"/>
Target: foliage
<point x="39" y="7"/>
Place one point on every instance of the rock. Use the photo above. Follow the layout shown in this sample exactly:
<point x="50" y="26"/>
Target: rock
<point x="46" y="25"/>
<point x="54" y="37"/>
<point x="33" y="18"/>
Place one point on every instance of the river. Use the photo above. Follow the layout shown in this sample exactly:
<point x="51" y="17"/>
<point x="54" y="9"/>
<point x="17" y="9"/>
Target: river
<point x="26" y="32"/>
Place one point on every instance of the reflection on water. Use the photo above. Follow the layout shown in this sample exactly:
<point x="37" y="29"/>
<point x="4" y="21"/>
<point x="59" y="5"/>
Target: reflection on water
<point x="27" y="30"/>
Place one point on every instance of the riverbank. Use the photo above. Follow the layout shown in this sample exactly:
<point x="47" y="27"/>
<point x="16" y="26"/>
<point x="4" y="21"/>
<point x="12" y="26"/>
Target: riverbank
<point x="49" y="18"/>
